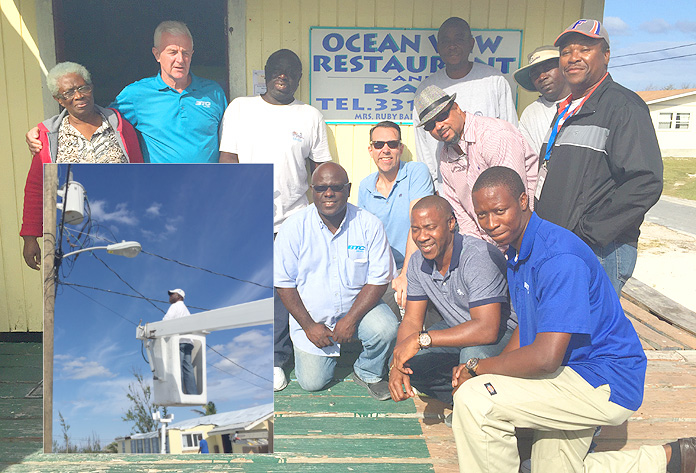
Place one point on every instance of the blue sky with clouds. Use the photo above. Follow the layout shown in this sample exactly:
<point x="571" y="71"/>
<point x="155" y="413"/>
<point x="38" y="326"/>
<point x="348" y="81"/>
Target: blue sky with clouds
<point x="637" y="26"/>
<point x="217" y="217"/>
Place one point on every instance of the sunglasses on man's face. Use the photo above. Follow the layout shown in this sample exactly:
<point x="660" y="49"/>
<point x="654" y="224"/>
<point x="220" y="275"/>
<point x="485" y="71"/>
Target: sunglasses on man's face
<point x="336" y="188"/>
<point x="430" y="126"/>
<point x="393" y="144"/>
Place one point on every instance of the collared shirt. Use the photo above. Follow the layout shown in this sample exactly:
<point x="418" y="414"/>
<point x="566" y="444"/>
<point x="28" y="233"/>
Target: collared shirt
<point x="329" y="270"/>
<point x="102" y="147"/>
<point x="484" y="91"/>
<point x="475" y="277"/>
<point x="486" y="142"/>
<point x="558" y="285"/>
<point x="175" y="127"/>
<point x="175" y="311"/>
<point x="412" y="182"/>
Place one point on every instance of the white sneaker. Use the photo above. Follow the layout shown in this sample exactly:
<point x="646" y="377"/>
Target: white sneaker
<point x="279" y="379"/>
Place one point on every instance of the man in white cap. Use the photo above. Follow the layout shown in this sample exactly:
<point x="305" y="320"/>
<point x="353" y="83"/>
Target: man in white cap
<point x="601" y="169"/>
<point x="542" y="75"/>
<point x="472" y="144"/>
<point x="176" y="310"/>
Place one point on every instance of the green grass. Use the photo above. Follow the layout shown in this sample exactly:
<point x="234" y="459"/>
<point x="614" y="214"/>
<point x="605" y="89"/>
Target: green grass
<point x="680" y="177"/>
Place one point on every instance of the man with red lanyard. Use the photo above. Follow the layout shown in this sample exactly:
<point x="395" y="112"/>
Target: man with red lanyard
<point x="600" y="167"/>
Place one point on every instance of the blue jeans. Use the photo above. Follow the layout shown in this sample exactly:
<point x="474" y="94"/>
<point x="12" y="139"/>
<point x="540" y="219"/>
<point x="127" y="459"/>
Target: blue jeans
<point x="377" y="332"/>
<point x="282" y="345"/>
<point x="188" y="380"/>
<point x="618" y="260"/>
<point x="432" y="367"/>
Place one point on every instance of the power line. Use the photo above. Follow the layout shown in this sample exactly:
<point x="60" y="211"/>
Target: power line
<point x="190" y="265"/>
<point x="653" y="60"/>
<point x="97" y="302"/>
<point x="654" y="51"/>
<point x="237" y="364"/>
<point x="207" y="270"/>
<point x="126" y="283"/>
<point x="123" y="294"/>
<point x="234" y="375"/>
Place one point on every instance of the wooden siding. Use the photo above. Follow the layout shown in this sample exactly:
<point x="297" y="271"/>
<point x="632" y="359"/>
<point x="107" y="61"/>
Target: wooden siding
<point x="276" y="24"/>
<point x="21" y="107"/>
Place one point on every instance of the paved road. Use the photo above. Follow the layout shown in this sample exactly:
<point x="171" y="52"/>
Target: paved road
<point x="678" y="214"/>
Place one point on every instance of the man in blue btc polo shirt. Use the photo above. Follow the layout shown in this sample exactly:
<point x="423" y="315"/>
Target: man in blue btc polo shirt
<point x="332" y="264"/>
<point x="574" y="361"/>
<point x="389" y="194"/>
<point x="176" y="113"/>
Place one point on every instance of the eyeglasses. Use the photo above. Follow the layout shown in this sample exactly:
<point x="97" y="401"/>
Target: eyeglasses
<point x="68" y="94"/>
<point x="336" y="188"/>
<point x="430" y="126"/>
<point x="393" y="144"/>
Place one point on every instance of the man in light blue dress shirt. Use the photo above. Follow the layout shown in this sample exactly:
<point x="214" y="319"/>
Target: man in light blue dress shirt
<point x="389" y="194"/>
<point x="332" y="265"/>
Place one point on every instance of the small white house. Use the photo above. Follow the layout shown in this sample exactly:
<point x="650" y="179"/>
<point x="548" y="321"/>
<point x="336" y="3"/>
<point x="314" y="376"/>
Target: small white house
<point x="673" y="113"/>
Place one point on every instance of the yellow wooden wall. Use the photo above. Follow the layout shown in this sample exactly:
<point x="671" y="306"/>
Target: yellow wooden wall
<point x="21" y="107"/>
<point x="276" y="24"/>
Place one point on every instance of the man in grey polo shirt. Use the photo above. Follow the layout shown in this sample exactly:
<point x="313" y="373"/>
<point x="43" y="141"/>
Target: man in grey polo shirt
<point x="464" y="277"/>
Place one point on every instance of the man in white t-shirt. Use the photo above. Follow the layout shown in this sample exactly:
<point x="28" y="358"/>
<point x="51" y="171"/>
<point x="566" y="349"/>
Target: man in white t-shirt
<point x="176" y="310"/>
<point x="276" y="128"/>
<point x="542" y="75"/>
<point x="480" y="89"/>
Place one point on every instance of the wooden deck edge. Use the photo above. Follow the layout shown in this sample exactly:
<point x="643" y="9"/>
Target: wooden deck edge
<point x="660" y="305"/>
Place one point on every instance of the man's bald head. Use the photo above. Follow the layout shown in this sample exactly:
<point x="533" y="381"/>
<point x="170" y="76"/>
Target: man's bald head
<point x="332" y="169"/>
<point x="434" y="202"/>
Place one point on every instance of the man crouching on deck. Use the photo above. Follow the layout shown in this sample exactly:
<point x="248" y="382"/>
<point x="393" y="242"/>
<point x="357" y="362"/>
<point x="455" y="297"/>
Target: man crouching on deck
<point x="464" y="277"/>
<point x="574" y="361"/>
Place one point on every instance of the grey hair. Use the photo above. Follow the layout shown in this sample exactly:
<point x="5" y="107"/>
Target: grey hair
<point x="175" y="28"/>
<point x="63" y="68"/>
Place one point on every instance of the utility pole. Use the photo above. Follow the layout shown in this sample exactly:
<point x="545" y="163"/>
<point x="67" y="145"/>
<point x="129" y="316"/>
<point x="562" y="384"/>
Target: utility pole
<point x="50" y="192"/>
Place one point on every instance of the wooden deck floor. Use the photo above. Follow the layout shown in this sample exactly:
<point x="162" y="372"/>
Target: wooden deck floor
<point x="342" y="429"/>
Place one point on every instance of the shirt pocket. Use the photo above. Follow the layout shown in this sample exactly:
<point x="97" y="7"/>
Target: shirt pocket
<point x="356" y="272"/>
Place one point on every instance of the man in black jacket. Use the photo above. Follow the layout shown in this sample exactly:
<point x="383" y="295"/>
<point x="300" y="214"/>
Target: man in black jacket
<point x="601" y="168"/>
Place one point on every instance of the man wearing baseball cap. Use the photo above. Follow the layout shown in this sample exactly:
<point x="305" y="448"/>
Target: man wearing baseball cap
<point x="542" y="75"/>
<point x="176" y="310"/>
<point x="601" y="168"/>
<point x="472" y="144"/>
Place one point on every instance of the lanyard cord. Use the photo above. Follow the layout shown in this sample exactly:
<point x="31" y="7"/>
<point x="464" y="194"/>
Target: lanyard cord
<point x="565" y="115"/>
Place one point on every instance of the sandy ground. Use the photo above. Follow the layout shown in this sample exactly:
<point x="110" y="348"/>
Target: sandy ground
<point x="667" y="262"/>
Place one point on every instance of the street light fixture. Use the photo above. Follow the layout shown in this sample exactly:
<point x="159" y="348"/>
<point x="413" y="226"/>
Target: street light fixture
<point x="129" y="249"/>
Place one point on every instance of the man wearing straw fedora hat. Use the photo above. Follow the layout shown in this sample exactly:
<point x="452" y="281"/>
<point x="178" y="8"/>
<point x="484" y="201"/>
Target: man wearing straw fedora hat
<point x="542" y="75"/>
<point x="472" y="144"/>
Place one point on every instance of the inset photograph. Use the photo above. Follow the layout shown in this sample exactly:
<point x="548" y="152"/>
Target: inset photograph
<point x="160" y="298"/>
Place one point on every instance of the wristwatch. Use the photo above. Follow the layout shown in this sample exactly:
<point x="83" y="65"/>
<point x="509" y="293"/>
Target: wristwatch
<point x="471" y="366"/>
<point x="424" y="340"/>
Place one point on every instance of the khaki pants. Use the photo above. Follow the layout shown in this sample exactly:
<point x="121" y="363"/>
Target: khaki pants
<point x="563" y="410"/>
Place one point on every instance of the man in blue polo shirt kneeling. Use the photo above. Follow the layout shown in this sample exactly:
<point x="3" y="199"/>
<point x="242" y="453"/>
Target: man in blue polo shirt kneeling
<point x="573" y="363"/>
